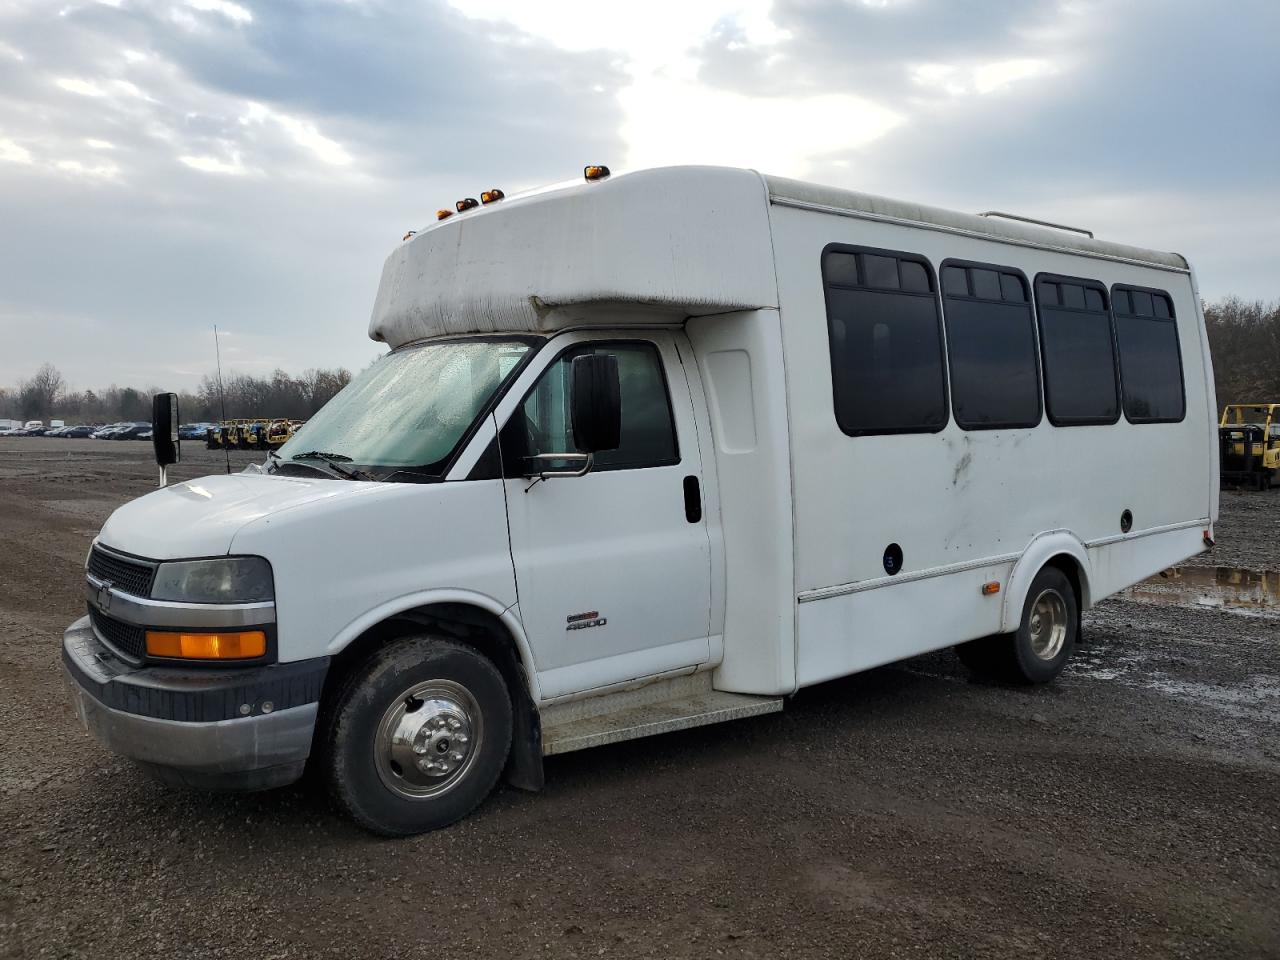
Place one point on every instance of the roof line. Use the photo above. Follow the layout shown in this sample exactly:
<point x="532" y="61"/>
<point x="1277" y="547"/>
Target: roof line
<point x="851" y="203"/>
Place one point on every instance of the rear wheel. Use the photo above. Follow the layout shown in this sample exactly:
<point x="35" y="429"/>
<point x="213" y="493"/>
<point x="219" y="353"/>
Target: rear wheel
<point x="418" y="736"/>
<point x="1038" y="650"/>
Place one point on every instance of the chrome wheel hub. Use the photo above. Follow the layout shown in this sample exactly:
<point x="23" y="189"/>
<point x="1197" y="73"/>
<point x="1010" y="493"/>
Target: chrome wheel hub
<point x="428" y="739"/>
<point x="1048" y="624"/>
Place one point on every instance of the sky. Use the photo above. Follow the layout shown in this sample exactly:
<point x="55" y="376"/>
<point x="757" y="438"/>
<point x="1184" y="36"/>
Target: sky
<point x="169" y="165"/>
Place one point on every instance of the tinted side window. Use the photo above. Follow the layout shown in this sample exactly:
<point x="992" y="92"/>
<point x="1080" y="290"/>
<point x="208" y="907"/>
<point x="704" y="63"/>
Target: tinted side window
<point x="886" y="342"/>
<point x="1150" y="361"/>
<point x="991" y="347"/>
<point x="1077" y="350"/>
<point x="542" y="424"/>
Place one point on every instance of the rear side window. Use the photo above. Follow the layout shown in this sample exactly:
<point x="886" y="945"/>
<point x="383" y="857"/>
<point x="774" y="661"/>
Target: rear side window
<point x="991" y="346"/>
<point x="1077" y="350"/>
<point x="886" y="341"/>
<point x="1150" y="360"/>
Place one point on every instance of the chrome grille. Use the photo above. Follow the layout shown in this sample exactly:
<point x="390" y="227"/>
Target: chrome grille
<point x="126" y="575"/>
<point x="124" y="638"/>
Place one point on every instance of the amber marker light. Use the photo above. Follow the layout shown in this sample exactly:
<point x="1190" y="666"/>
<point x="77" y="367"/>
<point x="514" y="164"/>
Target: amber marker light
<point x="990" y="588"/>
<point x="443" y="214"/>
<point x="595" y="172"/>
<point x="234" y="645"/>
<point x="466" y="204"/>
<point x="411" y="233"/>
<point x="489" y="196"/>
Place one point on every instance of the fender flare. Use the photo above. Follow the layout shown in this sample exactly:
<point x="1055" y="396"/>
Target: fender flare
<point x="385" y="611"/>
<point x="1042" y="548"/>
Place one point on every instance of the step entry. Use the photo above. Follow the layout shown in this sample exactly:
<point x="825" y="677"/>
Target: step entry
<point x="659" y="707"/>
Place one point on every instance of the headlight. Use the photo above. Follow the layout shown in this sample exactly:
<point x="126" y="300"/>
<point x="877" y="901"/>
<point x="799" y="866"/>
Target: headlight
<point x="225" y="580"/>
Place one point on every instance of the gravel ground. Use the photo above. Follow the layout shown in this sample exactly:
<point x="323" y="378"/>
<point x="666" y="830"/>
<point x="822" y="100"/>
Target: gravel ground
<point x="1130" y="810"/>
<point x="1247" y="532"/>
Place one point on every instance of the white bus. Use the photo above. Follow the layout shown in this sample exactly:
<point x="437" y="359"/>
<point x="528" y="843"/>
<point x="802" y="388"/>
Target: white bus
<point x="654" y="451"/>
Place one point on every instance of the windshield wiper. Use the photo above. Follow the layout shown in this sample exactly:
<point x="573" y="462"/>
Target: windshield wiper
<point x="331" y="460"/>
<point x="414" y="476"/>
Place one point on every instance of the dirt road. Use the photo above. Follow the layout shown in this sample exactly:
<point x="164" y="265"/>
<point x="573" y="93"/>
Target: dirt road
<point x="1130" y="810"/>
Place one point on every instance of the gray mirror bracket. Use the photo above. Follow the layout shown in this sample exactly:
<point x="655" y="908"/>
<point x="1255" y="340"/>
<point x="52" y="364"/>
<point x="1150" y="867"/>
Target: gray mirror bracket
<point x="587" y="460"/>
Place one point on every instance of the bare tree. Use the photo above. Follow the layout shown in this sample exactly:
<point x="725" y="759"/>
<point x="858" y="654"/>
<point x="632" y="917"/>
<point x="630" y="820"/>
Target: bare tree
<point x="38" y="395"/>
<point x="1244" y="340"/>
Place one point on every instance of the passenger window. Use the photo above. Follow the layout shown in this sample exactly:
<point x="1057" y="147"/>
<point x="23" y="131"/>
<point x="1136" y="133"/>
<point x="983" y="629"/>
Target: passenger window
<point x="1013" y="288"/>
<point x="986" y="284"/>
<point x="1150" y="360"/>
<point x="542" y="424"/>
<point x="991" y="349"/>
<point x="915" y="277"/>
<point x="886" y="343"/>
<point x="1077" y="352"/>
<point x="880" y="271"/>
<point x="955" y="280"/>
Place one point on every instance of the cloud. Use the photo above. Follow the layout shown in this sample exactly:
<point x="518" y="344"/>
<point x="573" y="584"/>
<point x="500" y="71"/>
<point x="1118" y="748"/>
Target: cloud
<point x="215" y="164"/>
<point x="232" y="11"/>
<point x="82" y="87"/>
<point x="254" y="172"/>
<point x="11" y="152"/>
<point x="94" y="171"/>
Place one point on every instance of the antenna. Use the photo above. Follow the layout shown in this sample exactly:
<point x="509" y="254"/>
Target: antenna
<point x="222" y="397"/>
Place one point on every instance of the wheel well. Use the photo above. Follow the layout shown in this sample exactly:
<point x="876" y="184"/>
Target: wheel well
<point x="1071" y="567"/>
<point x="478" y="628"/>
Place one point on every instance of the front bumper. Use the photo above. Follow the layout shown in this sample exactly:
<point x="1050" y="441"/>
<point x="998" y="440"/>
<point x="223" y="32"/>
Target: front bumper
<point x="210" y="728"/>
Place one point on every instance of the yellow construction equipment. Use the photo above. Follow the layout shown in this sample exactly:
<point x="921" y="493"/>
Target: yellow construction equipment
<point x="1249" y="444"/>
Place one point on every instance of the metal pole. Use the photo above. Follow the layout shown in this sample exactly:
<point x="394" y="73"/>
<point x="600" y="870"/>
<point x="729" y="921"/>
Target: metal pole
<point x="222" y="397"/>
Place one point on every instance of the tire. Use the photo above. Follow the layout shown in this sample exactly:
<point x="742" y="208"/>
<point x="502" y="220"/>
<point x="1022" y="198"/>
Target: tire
<point x="461" y="723"/>
<point x="1046" y="636"/>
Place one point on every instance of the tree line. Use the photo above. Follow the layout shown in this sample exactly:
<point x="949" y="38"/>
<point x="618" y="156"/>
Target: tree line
<point x="45" y="396"/>
<point x="1244" y="338"/>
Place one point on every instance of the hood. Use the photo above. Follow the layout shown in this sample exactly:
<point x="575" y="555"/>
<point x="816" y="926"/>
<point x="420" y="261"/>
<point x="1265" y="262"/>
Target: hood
<point x="199" y="518"/>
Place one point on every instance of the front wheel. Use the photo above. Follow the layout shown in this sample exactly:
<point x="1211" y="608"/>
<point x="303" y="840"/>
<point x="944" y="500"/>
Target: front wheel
<point x="1038" y="650"/>
<point x="418" y="736"/>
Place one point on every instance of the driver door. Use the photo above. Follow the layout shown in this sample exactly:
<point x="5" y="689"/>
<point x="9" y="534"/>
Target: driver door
<point x="613" y="567"/>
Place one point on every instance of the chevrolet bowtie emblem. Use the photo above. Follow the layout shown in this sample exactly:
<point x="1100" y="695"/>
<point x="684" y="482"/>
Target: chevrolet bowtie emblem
<point x="104" y="597"/>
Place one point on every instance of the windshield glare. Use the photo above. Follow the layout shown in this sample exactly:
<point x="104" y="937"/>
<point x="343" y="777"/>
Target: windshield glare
<point x="411" y="407"/>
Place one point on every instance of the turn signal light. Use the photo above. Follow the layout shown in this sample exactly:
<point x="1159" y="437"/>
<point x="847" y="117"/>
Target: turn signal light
<point x="990" y="588"/>
<point x="443" y="214"/>
<point x="239" y="645"/>
<point x="467" y="204"/>
<point x="595" y="172"/>
<point x="491" y="195"/>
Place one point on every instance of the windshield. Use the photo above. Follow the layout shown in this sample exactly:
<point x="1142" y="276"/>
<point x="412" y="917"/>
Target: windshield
<point x="410" y="409"/>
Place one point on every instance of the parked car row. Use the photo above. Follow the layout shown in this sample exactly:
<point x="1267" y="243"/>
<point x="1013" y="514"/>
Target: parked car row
<point x="125" y="430"/>
<point x="195" y="431"/>
<point x="132" y="430"/>
<point x="137" y="430"/>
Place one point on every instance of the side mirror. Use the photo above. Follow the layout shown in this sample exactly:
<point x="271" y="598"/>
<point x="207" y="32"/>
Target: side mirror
<point x="164" y="431"/>
<point x="595" y="402"/>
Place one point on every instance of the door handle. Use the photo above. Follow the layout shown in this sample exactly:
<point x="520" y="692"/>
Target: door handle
<point x="692" y="500"/>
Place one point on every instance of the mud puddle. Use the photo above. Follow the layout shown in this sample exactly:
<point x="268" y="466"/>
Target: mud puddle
<point x="1233" y="589"/>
